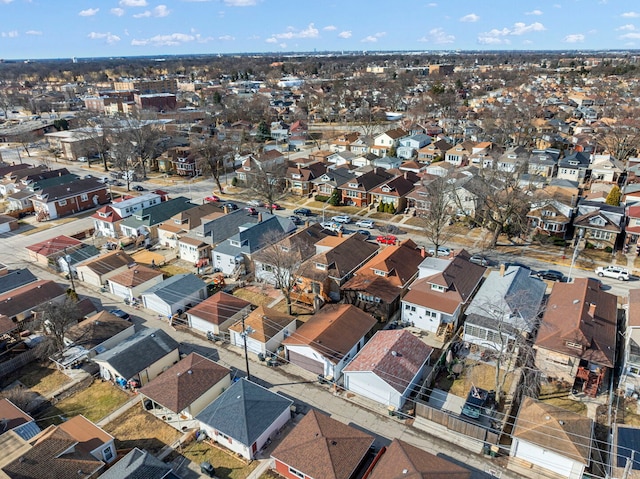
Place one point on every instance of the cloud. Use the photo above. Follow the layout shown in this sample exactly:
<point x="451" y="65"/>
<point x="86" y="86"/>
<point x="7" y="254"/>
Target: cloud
<point x="495" y="36"/>
<point x="472" y="17"/>
<point x="133" y="3"/>
<point x="161" y="11"/>
<point x="240" y="3"/>
<point x="574" y="38"/>
<point x="534" y="12"/>
<point x="330" y="28"/>
<point x="373" y="38"/>
<point x="145" y="14"/>
<point x="226" y="38"/>
<point x="310" y="32"/>
<point x="89" y="12"/>
<point x="118" y="12"/>
<point x="11" y="34"/>
<point x="345" y="34"/>
<point x="6" y="2"/>
<point x="630" y="15"/>
<point x="432" y="5"/>
<point x="33" y="32"/>
<point x="630" y="36"/>
<point x="271" y="40"/>
<point x="557" y="5"/>
<point x="108" y="37"/>
<point x="626" y="28"/>
<point x="171" y="39"/>
<point x="439" y="36"/>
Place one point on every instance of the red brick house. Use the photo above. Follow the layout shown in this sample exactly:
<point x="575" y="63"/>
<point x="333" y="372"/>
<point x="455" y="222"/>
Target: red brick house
<point x="357" y="191"/>
<point x="69" y="198"/>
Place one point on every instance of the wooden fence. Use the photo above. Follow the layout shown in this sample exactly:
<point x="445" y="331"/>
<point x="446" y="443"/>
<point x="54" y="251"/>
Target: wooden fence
<point x="13" y="364"/>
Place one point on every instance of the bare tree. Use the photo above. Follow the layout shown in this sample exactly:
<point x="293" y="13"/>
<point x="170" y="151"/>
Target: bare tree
<point x="269" y="183"/>
<point x="438" y="214"/>
<point x="144" y="134"/>
<point x="56" y="318"/>
<point x="212" y="158"/>
<point x="122" y="154"/>
<point x="26" y="139"/>
<point x="97" y="136"/>
<point x="621" y="139"/>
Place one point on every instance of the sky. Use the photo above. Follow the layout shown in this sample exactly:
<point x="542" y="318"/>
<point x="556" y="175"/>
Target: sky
<point x="33" y="29"/>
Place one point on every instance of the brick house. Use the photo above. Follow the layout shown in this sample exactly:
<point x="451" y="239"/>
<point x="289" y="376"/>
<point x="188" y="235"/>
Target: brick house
<point x="66" y="199"/>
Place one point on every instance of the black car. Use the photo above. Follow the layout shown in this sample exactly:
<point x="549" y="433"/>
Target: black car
<point x="365" y="233"/>
<point x="551" y="275"/>
<point x="231" y="206"/>
<point x="295" y="219"/>
<point x="121" y="314"/>
<point x="302" y="211"/>
<point x="138" y="188"/>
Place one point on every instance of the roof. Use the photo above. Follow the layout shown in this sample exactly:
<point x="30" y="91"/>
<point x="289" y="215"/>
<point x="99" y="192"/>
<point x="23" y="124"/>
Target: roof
<point x="12" y="416"/>
<point x="96" y="330"/>
<point x="580" y="313"/>
<point x="15" y="279"/>
<point x="627" y="445"/>
<point x="265" y="323"/>
<point x="107" y="262"/>
<point x="333" y="330"/>
<point x="137" y="464"/>
<point x="138" y="351"/>
<point x="633" y="311"/>
<point x="322" y="447"/>
<point x="29" y="296"/>
<point x="218" y="308"/>
<point x="176" y="287"/>
<point x="223" y="227"/>
<point x="184" y="382"/>
<point x="394" y="355"/>
<point x="135" y="276"/>
<point x="70" y="189"/>
<point x="244" y="411"/>
<point x="83" y="253"/>
<point x="156" y="214"/>
<point x="54" y="246"/>
<point x="252" y="236"/>
<point x="401" y="460"/>
<point x="556" y="429"/>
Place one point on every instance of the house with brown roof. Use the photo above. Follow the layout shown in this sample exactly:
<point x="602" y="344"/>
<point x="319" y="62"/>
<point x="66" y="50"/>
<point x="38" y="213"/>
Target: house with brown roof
<point x="131" y="283"/>
<point x="21" y="303"/>
<point x="550" y="218"/>
<point x="76" y="448"/>
<point x="328" y="341"/>
<point x="321" y="447"/>
<point x="387" y="140"/>
<point x="185" y="389"/>
<point x="394" y="192"/>
<point x="436" y="300"/>
<point x="16" y="420"/>
<point x="389" y="368"/>
<point x="357" y="191"/>
<point x="215" y="314"/>
<point x="378" y="286"/>
<point x="98" y="333"/>
<point x="65" y="199"/>
<point x="402" y="460"/>
<point x="549" y="440"/>
<point x="631" y="357"/>
<point x="299" y="177"/>
<point x="106" y="222"/>
<point x="255" y="164"/>
<point x="267" y="329"/>
<point x="433" y="151"/>
<point x="576" y="340"/>
<point x="48" y="251"/>
<point x="97" y="271"/>
<point x="600" y="225"/>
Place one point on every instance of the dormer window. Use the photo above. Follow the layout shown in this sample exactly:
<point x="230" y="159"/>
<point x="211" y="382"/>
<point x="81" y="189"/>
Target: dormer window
<point x="597" y="221"/>
<point x="235" y="243"/>
<point x="386" y="189"/>
<point x="353" y="185"/>
<point x="437" y="287"/>
<point x="573" y="345"/>
<point x="379" y="272"/>
<point x="574" y="163"/>
<point x="103" y="215"/>
<point x="321" y="266"/>
<point x="296" y="176"/>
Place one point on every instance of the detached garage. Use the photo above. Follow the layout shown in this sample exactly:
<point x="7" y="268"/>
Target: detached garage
<point x="131" y="283"/>
<point x="180" y="292"/>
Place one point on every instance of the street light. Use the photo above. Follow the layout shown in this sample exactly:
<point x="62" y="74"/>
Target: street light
<point x="575" y="254"/>
<point x="246" y="332"/>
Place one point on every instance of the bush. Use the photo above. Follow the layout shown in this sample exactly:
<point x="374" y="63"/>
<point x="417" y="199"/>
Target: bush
<point x="234" y="181"/>
<point x="321" y="198"/>
<point x="608" y="249"/>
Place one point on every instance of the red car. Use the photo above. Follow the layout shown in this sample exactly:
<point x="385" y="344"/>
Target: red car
<point x="387" y="239"/>
<point x="212" y="199"/>
<point x="275" y="206"/>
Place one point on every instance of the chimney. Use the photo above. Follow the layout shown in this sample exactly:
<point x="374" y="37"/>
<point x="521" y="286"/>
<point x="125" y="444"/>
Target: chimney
<point x="340" y="234"/>
<point x="592" y="309"/>
<point x="405" y="175"/>
<point x="307" y="223"/>
<point x="259" y="217"/>
<point x="423" y="252"/>
<point x="502" y="268"/>
<point x="225" y="208"/>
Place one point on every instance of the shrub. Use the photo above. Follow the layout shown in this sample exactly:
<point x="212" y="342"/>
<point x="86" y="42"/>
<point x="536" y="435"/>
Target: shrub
<point x="321" y="198"/>
<point x="234" y="181"/>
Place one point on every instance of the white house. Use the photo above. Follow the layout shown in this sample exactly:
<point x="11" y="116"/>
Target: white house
<point x="388" y="368"/>
<point x="130" y="206"/>
<point x="216" y="313"/>
<point x="130" y="284"/>
<point x="265" y="329"/>
<point x="97" y="271"/>
<point x="178" y="292"/>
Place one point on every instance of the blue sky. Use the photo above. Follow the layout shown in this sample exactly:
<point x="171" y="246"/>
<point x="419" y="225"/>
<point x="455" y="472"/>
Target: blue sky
<point x="81" y="28"/>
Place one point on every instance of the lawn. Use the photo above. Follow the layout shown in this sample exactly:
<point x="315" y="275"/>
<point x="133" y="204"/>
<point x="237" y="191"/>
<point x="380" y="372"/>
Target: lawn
<point x="227" y="465"/>
<point x="258" y="299"/>
<point x="478" y="374"/>
<point x="138" y="428"/>
<point x="171" y="270"/>
<point x="557" y="394"/>
<point x="296" y="309"/>
<point x="269" y="474"/>
<point x="568" y="404"/>
<point x="43" y="379"/>
<point x="94" y="403"/>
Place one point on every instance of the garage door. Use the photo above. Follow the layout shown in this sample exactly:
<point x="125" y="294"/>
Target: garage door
<point x="304" y="362"/>
<point x="154" y="303"/>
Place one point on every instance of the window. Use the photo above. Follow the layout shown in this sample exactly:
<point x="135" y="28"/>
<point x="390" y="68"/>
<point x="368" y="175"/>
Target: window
<point x="437" y="287"/>
<point x="296" y="473"/>
<point x="62" y="202"/>
<point x="84" y="197"/>
<point x="107" y="453"/>
<point x="379" y="272"/>
<point x="603" y="235"/>
<point x="321" y="266"/>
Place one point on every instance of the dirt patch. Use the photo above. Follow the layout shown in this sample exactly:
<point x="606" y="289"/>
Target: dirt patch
<point x="172" y="269"/>
<point x="567" y="403"/>
<point x="227" y="465"/>
<point x="296" y="309"/>
<point x="42" y="379"/>
<point x="254" y="297"/>
<point x="137" y="428"/>
<point x="478" y="374"/>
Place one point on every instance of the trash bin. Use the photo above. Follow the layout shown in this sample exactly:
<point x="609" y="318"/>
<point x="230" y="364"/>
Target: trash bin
<point x="261" y="356"/>
<point x="207" y="468"/>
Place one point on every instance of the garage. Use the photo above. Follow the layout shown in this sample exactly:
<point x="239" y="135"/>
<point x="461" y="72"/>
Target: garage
<point x="305" y="362"/>
<point x="119" y="290"/>
<point x="154" y="303"/>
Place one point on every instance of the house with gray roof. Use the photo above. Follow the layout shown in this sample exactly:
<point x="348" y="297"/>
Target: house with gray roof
<point x="139" y="358"/>
<point x="16" y="279"/>
<point x="66" y="198"/>
<point x="410" y="145"/>
<point x="245" y="417"/>
<point x="574" y="167"/>
<point x="332" y="179"/>
<point x="217" y="228"/>
<point x="147" y="220"/>
<point x="175" y="294"/>
<point x="69" y="261"/>
<point x="139" y="464"/>
<point x="507" y="304"/>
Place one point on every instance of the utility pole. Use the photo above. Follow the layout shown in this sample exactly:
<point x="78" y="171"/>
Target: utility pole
<point x="244" y="334"/>
<point x="66" y="259"/>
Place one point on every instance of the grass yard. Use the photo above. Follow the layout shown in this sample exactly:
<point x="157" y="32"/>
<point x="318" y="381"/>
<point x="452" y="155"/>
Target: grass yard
<point x="478" y="374"/>
<point x="137" y="428"/>
<point x="43" y="379"/>
<point x="296" y="309"/>
<point x="258" y="299"/>
<point x="171" y="270"/>
<point x="94" y="403"/>
<point x="269" y="474"/>
<point x="227" y="465"/>
<point x="568" y="404"/>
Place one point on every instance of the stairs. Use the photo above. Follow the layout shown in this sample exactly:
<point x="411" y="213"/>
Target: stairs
<point x="590" y="387"/>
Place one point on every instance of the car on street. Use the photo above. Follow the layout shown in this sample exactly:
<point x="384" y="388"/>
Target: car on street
<point x="332" y="226"/>
<point x="251" y="210"/>
<point x="341" y="219"/>
<point x="615" y="272"/>
<point x="138" y="188"/>
<point x="275" y="206"/>
<point x="479" y="259"/>
<point x="302" y="211"/>
<point x="255" y="203"/>
<point x="365" y="233"/>
<point x="550" y="275"/>
<point x="82" y="159"/>
<point x="212" y="199"/>
<point x="387" y="239"/>
<point x="295" y="219"/>
<point x="442" y="251"/>
<point x="121" y="314"/>
<point x="230" y="206"/>
<point x="365" y="224"/>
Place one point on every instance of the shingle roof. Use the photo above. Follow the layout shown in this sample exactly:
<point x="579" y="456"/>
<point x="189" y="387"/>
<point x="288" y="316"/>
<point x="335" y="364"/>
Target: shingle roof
<point x="322" y="447"/>
<point x="29" y="296"/>
<point x="137" y="464"/>
<point x="156" y="214"/>
<point x="138" y="351"/>
<point x="13" y="415"/>
<point x="184" y="382"/>
<point x="244" y="411"/>
<point x="265" y="323"/>
<point x="108" y="262"/>
<point x="97" y="329"/>
<point x="218" y="308"/>
<point x="71" y="189"/>
<point x="176" y="287"/>
<point x="135" y="276"/>
<point x="15" y="279"/>
<point x="54" y="246"/>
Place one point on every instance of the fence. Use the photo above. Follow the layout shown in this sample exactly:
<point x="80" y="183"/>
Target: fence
<point x="7" y="367"/>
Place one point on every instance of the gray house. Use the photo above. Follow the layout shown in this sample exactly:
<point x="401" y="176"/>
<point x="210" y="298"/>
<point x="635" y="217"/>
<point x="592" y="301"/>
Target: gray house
<point x="408" y="147"/>
<point x="178" y="292"/>
<point x="147" y="220"/>
<point x="138" y="464"/>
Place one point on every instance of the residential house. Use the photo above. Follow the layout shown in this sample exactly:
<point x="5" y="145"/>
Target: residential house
<point x="16" y="420"/>
<point x="139" y="358"/>
<point x="605" y="169"/>
<point x="434" y="151"/>
<point x="412" y="166"/>
<point x="513" y="159"/>
<point x="299" y="179"/>
<point x="10" y="280"/>
<point x="387" y="162"/>
<point x="505" y="309"/>
<point x="131" y="283"/>
<point x="76" y="448"/>
<point x="378" y="286"/>
<point x="331" y="180"/>
<point x="544" y="162"/>
<point x="550" y="218"/>
<point x="106" y="222"/>
<point x="550" y="440"/>
<point x="329" y="340"/>
<point x="459" y="154"/>
<point x="623" y="458"/>
<point x="20" y="304"/>
<point x="48" y="251"/>
<point x="576" y="340"/>
<point x="393" y="192"/>
<point x="335" y="261"/>
<point x="574" y="167"/>
<point x="263" y="329"/>
<point x="97" y="271"/>
<point x="137" y="464"/>
<point x="389" y="368"/>
<point x="384" y="142"/>
<point x="245" y="417"/>
<point x="68" y="198"/>
<point x="132" y="204"/>
<point x="401" y="456"/>
<point x="343" y="142"/>
<point x="179" y="394"/>
<point x="630" y="378"/>
<point x="599" y="224"/>
<point x="256" y="165"/>
<point x="632" y="230"/>
<point x="320" y="446"/>
<point x="409" y="146"/>
<point x="440" y="168"/>
<point x="215" y="314"/>
<point x="147" y="220"/>
<point x="362" y="145"/>
<point x="8" y="224"/>
<point x="356" y="191"/>
<point x="341" y="158"/>
<point x="68" y="262"/>
<point x="436" y="300"/>
<point x="174" y="295"/>
<point x="98" y="333"/>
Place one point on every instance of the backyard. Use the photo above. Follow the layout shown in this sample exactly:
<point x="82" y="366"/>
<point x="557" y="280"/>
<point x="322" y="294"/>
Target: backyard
<point x="41" y="378"/>
<point x="227" y="465"/>
<point x="474" y="373"/>
<point x="557" y="394"/>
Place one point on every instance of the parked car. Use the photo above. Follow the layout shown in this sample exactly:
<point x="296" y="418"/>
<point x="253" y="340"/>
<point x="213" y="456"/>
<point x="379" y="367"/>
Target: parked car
<point x="479" y="259"/>
<point x="295" y="219"/>
<point x="121" y="314"/>
<point x="231" y="206"/>
<point x="479" y="403"/>
<point x="331" y="226"/>
<point x="302" y="211"/>
<point x="341" y="219"/>
<point x="365" y="233"/>
<point x="138" y="188"/>
<point x="387" y="239"/>
<point x="82" y="159"/>
<point x="442" y="251"/>
<point x="551" y="275"/>
<point x="212" y="199"/>
<point x="255" y="203"/>
<point x="616" y="272"/>
<point x="275" y="206"/>
<point x="365" y="223"/>
<point x="251" y="210"/>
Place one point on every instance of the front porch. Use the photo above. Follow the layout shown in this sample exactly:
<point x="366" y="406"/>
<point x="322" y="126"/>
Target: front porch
<point x="589" y="379"/>
<point x="180" y="421"/>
